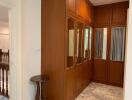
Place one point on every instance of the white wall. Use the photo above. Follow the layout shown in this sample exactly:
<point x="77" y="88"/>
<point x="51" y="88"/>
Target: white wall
<point x="128" y="69"/>
<point x="4" y="41"/>
<point x="31" y="45"/>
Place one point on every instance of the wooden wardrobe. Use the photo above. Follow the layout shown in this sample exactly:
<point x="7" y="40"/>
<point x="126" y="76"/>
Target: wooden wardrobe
<point x="68" y="46"/>
<point x="70" y="72"/>
<point x="111" y="17"/>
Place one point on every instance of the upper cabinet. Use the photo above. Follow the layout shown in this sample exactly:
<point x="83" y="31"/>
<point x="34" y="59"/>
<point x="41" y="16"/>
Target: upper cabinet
<point x="71" y="5"/>
<point x="119" y="13"/>
<point x="80" y="9"/>
<point x="102" y="15"/>
<point x="84" y="9"/>
<point x="111" y="14"/>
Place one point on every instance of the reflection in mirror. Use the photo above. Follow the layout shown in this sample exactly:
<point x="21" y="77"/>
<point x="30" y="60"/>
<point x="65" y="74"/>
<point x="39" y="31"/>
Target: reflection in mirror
<point x="79" y="48"/>
<point x="100" y="43"/>
<point x="90" y="43"/>
<point x="71" y="32"/>
<point x="86" y="37"/>
<point x="117" y="44"/>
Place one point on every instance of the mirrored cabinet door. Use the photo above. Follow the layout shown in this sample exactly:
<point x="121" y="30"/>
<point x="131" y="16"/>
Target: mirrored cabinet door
<point x="71" y="37"/>
<point x="86" y="43"/>
<point x="100" y="43"/>
<point x="90" y="43"/>
<point x="117" y="44"/>
<point x="79" y="43"/>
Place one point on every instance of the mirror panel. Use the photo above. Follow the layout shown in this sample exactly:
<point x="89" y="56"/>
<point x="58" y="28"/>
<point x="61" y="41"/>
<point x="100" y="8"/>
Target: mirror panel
<point x="79" y="43"/>
<point x="86" y="42"/>
<point x="71" y="36"/>
<point x="100" y="43"/>
<point x="90" y="43"/>
<point x="117" y="44"/>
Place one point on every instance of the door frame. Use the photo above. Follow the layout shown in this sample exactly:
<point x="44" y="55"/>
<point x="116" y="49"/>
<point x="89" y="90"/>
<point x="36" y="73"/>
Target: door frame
<point x="15" y="76"/>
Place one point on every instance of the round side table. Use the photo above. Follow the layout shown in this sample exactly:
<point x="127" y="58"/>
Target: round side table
<point x="39" y="80"/>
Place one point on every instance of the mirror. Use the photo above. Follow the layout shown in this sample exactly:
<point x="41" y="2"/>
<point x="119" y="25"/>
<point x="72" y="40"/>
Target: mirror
<point x="86" y="42"/>
<point x="100" y="43"/>
<point x="71" y="36"/>
<point x="79" y="44"/>
<point x="117" y="44"/>
<point x="90" y="43"/>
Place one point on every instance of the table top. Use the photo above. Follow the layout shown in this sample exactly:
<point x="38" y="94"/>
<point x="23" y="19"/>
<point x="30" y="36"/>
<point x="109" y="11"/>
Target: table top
<point x="40" y="78"/>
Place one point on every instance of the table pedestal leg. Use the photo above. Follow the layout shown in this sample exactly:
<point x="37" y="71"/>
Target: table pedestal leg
<point x="38" y="92"/>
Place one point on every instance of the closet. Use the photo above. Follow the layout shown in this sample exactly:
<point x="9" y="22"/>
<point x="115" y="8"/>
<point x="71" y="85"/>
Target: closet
<point x="81" y="43"/>
<point x="66" y="47"/>
<point x="109" y="43"/>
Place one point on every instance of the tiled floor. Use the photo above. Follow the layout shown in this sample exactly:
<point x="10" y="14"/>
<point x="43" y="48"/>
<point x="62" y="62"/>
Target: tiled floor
<point x="3" y="98"/>
<point x="97" y="91"/>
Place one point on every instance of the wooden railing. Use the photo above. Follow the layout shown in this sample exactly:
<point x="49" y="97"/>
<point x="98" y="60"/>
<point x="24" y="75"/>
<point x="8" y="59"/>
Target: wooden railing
<point x="4" y="69"/>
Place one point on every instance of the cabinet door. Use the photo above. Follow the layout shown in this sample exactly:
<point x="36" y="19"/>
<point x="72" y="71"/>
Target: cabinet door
<point x="71" y="5"/>
<point x="117" y="55"/>
<point x="102" y="15"/>
<point x="70" y="84"/>
<point x="100" y="50"/>
<point x="82" y="9"/>
<point x="70" y="42"/>
<point x="119" y="13"/>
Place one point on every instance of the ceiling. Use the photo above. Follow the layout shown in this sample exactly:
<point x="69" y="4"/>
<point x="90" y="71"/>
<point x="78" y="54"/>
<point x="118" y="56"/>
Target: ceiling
<point x="3" y="14"/>
<point x="102" y="2"/>
<point x="4" y="26"/>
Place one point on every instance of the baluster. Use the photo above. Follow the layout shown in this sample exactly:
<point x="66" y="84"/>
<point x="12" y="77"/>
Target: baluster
<point x="3" y="90"/>
<point x="0" y="79"/>
<point x="7" y="81"/>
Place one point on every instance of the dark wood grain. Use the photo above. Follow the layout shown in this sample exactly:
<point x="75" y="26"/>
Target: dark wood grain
<point x="106" y="71"/>
<point x="100" y="70"/>
<point x="119" y="13"/>
<point x="53" y="48"/>
<point x="116" y="72"/>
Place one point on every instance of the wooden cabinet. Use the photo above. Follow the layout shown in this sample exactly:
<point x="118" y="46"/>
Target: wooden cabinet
<point x="116" y="73"/>
<point x="112" y="14"/>
<point x="70" y="84"/>
<point x="78" y="72"/>
<point x="71" y="6"/>
<point x="111" y="69"/>
<point x="119" y="14"/>
<point x="102" y="15"/>
<point x="66" y="79"/>
<point x="100" y="70"/>
<point x="53" y="47"/>
<point x="82" y="9"/>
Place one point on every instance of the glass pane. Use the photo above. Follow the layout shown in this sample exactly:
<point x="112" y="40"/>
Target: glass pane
<point x="90" y="43"/>
<point x="79" y="48"/>
<point x="71" y="32"/>
<point x="100" y="43"/>
<point x="86" y="37"/>
<point x="117" y="44"/>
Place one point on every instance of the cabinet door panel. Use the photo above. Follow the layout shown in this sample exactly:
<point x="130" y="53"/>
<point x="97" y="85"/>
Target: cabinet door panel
<point x="102" y="15"/>
<point x="100" y="70"/>
<point x="119" y="13"/>
<point x="71" y="5"/>
<point x="116" y="73"/>
<point x="81" y="6"/>
<point x="70" y="84"/>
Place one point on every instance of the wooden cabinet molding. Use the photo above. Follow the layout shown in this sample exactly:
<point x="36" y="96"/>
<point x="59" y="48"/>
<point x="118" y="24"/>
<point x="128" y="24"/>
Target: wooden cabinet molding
<point x="81" y="9"/>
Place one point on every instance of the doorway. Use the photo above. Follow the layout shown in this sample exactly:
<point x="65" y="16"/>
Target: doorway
<point x="14" y="78"/>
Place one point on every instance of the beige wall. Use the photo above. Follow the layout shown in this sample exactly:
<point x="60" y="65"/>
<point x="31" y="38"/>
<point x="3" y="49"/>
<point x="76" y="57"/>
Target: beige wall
<point x="128" y="69"/>
<point x="31" y="45"/>
<point x="4" y="41"/>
